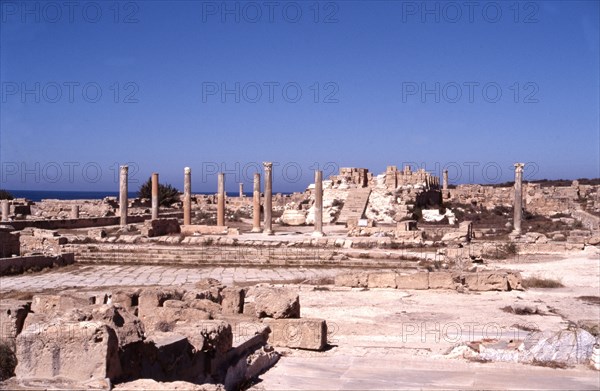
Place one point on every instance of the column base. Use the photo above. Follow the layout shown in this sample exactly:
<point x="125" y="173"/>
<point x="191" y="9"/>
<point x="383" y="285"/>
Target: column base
<point x="256" y="230"/>
<point x="317" y="234"/>
<point x="268" y="232"/>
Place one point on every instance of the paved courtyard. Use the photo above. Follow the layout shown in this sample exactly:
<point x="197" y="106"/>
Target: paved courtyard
<point x="88" y="276"/>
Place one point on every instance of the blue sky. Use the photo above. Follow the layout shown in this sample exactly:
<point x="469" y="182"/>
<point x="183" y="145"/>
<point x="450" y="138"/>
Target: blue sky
<point x="164" y="85"/>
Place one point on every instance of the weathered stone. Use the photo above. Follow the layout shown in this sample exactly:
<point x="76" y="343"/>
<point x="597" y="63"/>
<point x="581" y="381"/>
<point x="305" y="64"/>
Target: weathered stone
<point x="276" y="302"/>
<point x="205" y="305"/>
<point x="486" y="281"/>
<point x="441" y="280"/>
<point x="298" y="333"/>
<point x="149" y="384"/>
<point x="382" y="280"/>
<point x="128" y="327"/>
<point x="233" y="300"/>
<point x="77" y="351"/>
<point x="567" y="346"/>
<point x="419" y="280"/>
<point x="12" y="318"/>
<point x="293" y="217"/>
<point x="352" y="279"/>
<point x="514" y="281"/>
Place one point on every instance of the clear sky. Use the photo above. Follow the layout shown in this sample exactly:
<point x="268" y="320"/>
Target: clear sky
<point x="472" y="87"/>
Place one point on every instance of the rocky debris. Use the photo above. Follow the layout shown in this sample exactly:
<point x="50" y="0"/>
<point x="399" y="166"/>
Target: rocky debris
<point x="76" y="350"/>
<point x="149" y="384"/>
<point x="97" y="233"/>
<point x="562" y="348"/>
<point x="159" y="333"/>
<point x="275" y="302"/>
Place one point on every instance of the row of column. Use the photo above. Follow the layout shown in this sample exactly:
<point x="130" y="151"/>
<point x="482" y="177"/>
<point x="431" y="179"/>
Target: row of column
<point x="187" y="199"/>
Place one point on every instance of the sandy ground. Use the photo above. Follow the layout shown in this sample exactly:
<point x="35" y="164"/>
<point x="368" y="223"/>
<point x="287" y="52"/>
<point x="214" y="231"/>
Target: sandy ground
<point x="396" y="339"/>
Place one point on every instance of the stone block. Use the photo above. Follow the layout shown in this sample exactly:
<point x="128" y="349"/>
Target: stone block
<point x="233" y="300"/>
<point x="352" y="279"/>
<point x="419" y="280"/>
<point x="275" y="302"/>
<point x="486" y="281"/>
<point x="441" y="280"/>
<point x="78" y="351"/>
<point x="382" y="280"/>
<point x="298" y="333"/>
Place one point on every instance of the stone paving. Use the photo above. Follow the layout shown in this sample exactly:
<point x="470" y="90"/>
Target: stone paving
<point x="126" y="275"/>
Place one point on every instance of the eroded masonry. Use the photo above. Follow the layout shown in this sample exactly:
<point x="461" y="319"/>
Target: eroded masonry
<point x="354" y="233"/>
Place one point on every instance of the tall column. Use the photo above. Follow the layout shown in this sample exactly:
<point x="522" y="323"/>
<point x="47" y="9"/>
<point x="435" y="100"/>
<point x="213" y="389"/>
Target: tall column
<point x="268" y="197"/>
<point x="123" y="198"/>
<point x="221" y="200"/>
<point x="187" y="196"/>
<point x="74" y="211"/>
<point x="445" y="180"/>
<point x="518" y="205"/>
<point x="154" y="195"/>
<point x="256" y="201"/>
<point x="318" y="203"/>
<point x="241" y="190"/>
<point x="5" y="210"/>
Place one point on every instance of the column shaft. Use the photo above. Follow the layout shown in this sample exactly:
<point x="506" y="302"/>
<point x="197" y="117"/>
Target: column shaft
<point x="123" y="197"/>
<point x="221" y="200"/>
<point x="155" y="196"/>
<point x="256" y="202"/>
<point x="187" y="196"/>
<point x="318" y="203"/>
<point x="268" y="230"/>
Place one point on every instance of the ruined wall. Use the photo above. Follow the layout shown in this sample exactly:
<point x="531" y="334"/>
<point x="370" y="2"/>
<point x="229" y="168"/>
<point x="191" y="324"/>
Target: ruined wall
<point x="540" y="200"/>
<point x="9" y="242"/>
<point x="62" y="208"/>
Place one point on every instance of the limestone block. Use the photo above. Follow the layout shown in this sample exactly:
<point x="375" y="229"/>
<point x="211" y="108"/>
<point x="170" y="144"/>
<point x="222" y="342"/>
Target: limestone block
<point x="418" y="280"/>
<point x="441" y="280"/>
<point x="352" y="279"/>
<point x="486" y="281"/>
<point x="275" y="302"/>
<point x="77" y="351"/>
<point x="293" y="217"/>
<point x="233" y="300"/>
<point x="382" y="280"/>
<point x="298" y="333"/>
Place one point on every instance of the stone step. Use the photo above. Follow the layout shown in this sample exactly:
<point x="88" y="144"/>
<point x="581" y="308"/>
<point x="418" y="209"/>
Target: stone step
<point x="355" y="205"/>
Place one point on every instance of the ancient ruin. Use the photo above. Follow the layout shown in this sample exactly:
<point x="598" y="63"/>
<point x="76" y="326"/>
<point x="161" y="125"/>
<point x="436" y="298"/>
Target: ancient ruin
<point x="113" y="294"/>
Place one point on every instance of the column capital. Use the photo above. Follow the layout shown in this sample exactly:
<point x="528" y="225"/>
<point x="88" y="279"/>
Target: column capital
<point x="187" y="170"/>
<point x="124" y="167"/>
<point x="268" y="165"/>
<point x="519" y="166"/>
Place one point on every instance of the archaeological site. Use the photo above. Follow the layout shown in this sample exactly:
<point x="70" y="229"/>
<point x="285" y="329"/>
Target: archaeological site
<point x="394" y="280"/>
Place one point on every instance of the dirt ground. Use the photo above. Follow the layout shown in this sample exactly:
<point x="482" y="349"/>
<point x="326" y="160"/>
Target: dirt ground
<point x="398" y="339"/>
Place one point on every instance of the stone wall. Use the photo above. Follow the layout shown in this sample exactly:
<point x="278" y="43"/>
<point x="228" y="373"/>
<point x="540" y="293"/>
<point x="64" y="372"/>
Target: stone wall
<point x="18" y="265"/>
<point x="9" y="242"/>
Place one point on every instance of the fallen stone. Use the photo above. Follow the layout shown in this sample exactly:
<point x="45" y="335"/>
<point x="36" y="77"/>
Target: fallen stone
<point x="78" y="351"/>
<point x="298" y="333"/>
<point x="275" y="302"/>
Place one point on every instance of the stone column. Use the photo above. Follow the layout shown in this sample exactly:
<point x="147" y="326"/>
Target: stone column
<point x="5" y="210"/>
<point x="318" y="203"/>
<point x="518" y="204"/>
<point x="445" y="180"/>
<point x="256" y="201"/>
<point x="241" y="190"/>
<point x="74" y="211"/>
<point x="123" y="197"/>
<point x="268" y="197"/>
<point x="154" y="195"/>
<point x="221" y="200"/>
<point x="187" y="196"/>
